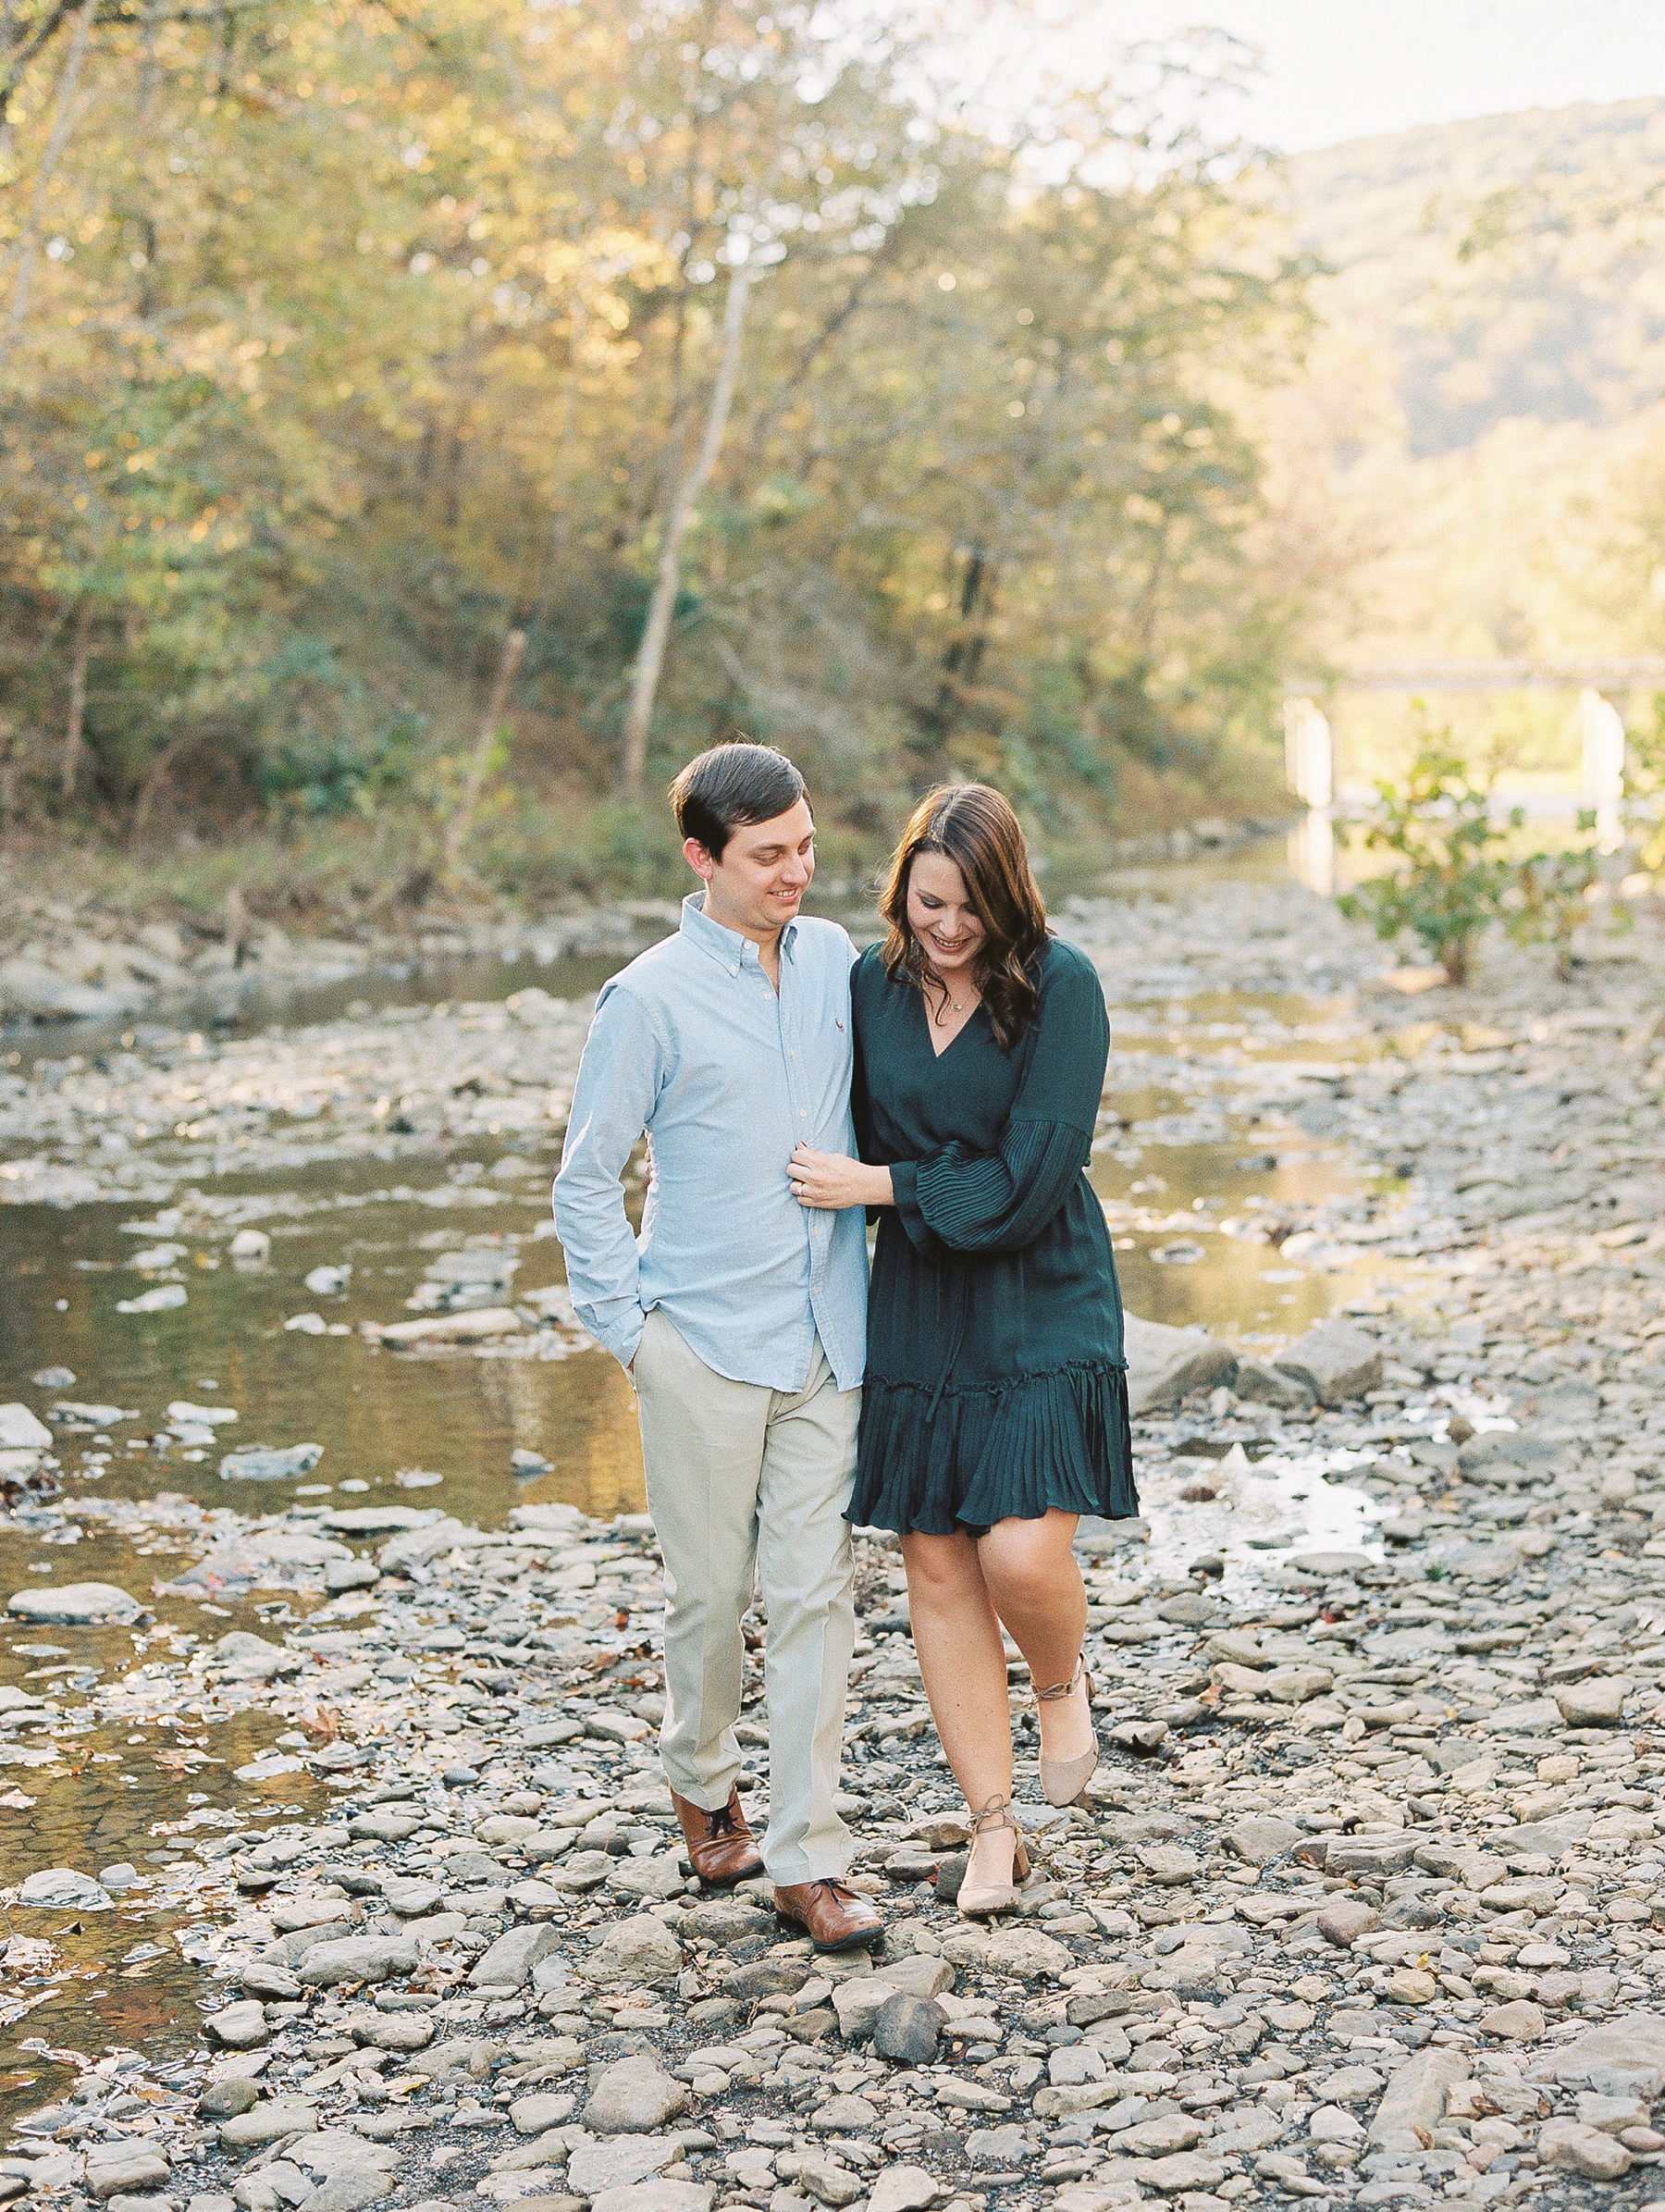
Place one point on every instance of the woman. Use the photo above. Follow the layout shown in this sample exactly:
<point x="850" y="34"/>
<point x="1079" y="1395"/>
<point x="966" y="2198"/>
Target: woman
<point x="994" y="1410"/>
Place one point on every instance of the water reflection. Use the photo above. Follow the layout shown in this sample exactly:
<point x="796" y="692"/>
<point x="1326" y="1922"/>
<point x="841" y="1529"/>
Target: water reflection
<point x="376" y="1413"/>
<point x="1313" y="851"/>
<point x="1259" y="1511"/>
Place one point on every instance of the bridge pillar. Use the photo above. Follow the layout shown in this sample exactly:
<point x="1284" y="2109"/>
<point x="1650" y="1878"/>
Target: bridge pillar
<point x="1602" y="784"/>
<point x="1309" y="764"/>
<point x="1309" y="751"/>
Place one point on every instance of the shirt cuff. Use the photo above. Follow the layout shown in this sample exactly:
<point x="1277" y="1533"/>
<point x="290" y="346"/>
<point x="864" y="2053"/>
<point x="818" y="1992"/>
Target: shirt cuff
<point x="622" y="1337"/>
<point x="904" y="1190"/>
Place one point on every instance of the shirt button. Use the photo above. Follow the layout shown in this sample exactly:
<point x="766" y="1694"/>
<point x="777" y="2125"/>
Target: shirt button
<point x="802" y="1115"/>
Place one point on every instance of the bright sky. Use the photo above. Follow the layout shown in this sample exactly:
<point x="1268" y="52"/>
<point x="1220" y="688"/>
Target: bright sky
<point x="1351" y="68"/>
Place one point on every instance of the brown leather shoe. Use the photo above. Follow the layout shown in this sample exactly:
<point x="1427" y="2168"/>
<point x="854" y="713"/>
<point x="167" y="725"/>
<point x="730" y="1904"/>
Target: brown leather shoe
<point x="722" y="1848"/>
<point x="833" y="1917"/>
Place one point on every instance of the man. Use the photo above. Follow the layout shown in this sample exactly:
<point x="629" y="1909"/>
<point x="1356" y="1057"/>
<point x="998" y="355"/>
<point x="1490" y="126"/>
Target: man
<point x="739" y="1315"/>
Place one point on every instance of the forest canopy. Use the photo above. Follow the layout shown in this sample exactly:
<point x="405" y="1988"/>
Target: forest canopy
<point x="343" y="342"/>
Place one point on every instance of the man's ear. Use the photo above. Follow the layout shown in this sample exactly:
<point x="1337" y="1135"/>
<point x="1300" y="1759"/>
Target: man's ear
<point x="699" y="859"/>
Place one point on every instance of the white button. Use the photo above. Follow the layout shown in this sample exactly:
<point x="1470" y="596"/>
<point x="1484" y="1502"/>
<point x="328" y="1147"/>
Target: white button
<point x="802" y="1115"/>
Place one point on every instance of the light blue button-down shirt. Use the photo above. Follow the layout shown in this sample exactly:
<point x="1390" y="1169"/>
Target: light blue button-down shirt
<point x="692" y="1044"/>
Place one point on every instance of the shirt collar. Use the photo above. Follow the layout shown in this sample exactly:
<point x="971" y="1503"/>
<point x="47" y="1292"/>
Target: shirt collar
<point x="725" y="945"/>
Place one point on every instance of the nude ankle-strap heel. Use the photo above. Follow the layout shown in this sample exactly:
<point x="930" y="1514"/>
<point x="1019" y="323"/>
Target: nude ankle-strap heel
<point x="1063" y="1780"/>
<point x="980" y="1894"/>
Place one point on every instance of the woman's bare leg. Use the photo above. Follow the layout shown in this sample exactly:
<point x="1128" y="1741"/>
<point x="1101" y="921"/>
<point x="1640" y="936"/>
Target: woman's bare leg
<point x="962" y="1660"/>
<point x="1029" y="1571"/>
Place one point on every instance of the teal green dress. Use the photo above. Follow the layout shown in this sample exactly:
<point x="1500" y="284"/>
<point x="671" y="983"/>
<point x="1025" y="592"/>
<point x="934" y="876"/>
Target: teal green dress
<point x="996" y="1380"/>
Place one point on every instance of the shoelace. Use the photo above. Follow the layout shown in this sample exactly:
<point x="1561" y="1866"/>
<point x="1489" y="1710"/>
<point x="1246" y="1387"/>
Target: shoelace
<point x="723" y="1822"/>
<point x="996" y="1813"/>
<point x="1060" y="1689"/>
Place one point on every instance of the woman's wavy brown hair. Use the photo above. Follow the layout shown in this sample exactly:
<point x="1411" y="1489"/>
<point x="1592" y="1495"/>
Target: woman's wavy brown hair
<point x="973" y="826"/>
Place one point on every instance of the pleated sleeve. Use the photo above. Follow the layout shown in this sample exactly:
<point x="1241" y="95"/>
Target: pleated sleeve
<point x="1000" y="1201"/>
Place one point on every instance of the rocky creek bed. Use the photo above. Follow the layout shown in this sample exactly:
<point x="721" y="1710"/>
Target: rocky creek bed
<point x="1360" y="1907"/>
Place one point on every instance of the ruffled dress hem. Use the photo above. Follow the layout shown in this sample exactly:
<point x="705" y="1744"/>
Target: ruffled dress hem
<point x="934" y="1461"/>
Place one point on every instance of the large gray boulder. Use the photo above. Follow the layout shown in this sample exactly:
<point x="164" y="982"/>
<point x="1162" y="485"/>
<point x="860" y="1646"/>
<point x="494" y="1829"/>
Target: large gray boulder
<point x="75" y="1605"/>
<point x="249" y="1657"/>
<point x="268" y="2124"/>
<point x="618" y="2162"/>
<point x="552" y="1519"/>
<point x="636" y="1951"/>
<point x="1165" y="1364"/>
<point x="1631" y="2043"/>
<point x="632" y="2096"/>
<point x="357" y="1959"/>
<point x="21" y="1432"/>
<point x="508" y="1963"/>
<point x="31" y="987"/>
<point x="1019" y="1954"/>
<point x="125" y="2170"/>
<point x="380" y="1520"/>
<point x="1263" y="1385"/>
<point x="266" y="1463"/>
<point x="415" y="1547"/>
<point x="1414" y="2100"/>
<point x="64" y="1889"/>
<point x="239" y="2027"/>
<point x="1335" y="1360"/>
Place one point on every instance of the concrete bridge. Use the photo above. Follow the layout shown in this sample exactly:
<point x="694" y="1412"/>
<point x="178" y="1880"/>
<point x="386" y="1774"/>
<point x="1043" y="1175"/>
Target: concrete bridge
<point x="1309" y="742"/>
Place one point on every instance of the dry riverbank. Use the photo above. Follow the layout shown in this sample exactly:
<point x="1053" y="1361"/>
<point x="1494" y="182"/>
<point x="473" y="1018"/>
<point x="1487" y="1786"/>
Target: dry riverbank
<point x="1360" y="1907"/>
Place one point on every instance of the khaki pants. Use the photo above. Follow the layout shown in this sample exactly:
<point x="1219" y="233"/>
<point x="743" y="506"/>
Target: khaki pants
<point x="743" y="1479"/>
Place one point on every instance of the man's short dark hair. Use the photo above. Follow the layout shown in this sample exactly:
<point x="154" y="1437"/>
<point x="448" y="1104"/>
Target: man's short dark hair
<point x="730" y="787"/>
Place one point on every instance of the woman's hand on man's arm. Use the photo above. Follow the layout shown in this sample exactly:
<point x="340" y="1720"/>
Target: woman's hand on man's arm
<point x="831" y="1182"/>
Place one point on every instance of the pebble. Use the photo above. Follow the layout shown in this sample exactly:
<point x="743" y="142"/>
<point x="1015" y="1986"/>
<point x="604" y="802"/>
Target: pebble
<point x="239" y="2027"/>
<point x="908" y="2029"/>
<point x="226" y="2099"/>
<point x="632" y="2096"/>
<point x="1569" y="2147"/>
<point x="593" y="2168"/>
<point x="263" y="1463"/>
<point x="116" y="2169"/>
<point x="162" y="1299"/>
<point x="903" y="2189"/>
<point x="655" y="2196"/>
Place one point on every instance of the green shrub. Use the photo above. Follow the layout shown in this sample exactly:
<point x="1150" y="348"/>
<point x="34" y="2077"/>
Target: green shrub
<point x="1549" y="895"/>
<point x="1454" y="871"/>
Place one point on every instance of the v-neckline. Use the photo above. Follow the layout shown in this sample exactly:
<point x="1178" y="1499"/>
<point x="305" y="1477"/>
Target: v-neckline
<point x="930" y="1038"/>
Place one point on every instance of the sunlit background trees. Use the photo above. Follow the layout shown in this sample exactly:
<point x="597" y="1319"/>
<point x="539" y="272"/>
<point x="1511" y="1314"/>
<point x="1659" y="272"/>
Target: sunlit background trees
<point x="342" y="340"/>
<point x="817" y="375"/>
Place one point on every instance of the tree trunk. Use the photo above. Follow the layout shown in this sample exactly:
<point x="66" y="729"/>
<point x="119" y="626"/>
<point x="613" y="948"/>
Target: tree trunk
<point x="25" y="244"/>
<point x="650" y="655"/>
<point x="9" y="761"/>
<point x="155" y="775"/>
<point x="456" y="834"/>
<point x="236" y="924"/>
<point x="77" y="697"/>
<point x="964" y="657"/>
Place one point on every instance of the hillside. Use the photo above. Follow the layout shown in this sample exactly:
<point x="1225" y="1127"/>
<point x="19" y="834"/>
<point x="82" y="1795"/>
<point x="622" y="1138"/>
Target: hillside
<point x="1472" y="463"/>
<point x="1511" y="264"/>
